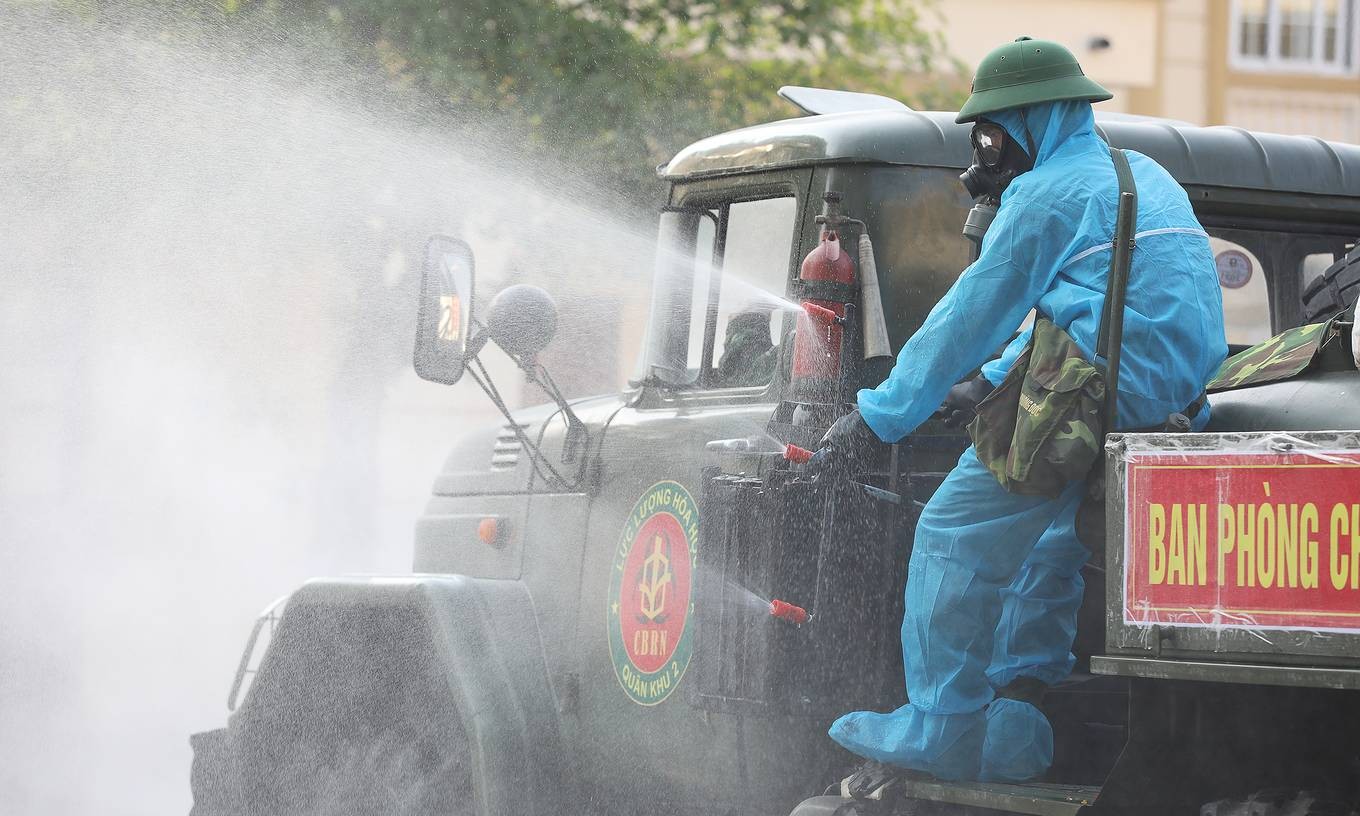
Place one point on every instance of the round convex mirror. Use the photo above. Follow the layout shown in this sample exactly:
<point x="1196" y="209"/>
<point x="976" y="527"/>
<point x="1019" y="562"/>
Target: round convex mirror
<point x="522" y="319"/>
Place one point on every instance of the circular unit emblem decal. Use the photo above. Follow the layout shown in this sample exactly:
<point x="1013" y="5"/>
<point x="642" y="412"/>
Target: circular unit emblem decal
<point x="649" y="599"/>
<point x="1234" y="268"/>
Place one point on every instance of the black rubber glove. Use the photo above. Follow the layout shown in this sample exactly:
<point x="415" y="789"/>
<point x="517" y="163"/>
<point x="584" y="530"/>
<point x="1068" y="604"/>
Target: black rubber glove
<point x="960" y="404"/>
<point x="847" y="445"/>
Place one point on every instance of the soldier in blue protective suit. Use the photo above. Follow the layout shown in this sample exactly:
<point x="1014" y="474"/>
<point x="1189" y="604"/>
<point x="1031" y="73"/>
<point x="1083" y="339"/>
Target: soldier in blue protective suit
<point x="994" y="581"/>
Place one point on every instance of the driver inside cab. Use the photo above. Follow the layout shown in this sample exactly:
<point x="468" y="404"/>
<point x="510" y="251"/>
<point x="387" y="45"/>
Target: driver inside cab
<point x="749" y="356"/>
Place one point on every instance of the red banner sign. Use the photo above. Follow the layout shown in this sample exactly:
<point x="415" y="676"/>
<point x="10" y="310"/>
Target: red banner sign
<point x="1246" y="540"/>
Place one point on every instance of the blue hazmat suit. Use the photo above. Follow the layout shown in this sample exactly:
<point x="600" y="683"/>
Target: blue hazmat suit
<point x="994" y="580"/>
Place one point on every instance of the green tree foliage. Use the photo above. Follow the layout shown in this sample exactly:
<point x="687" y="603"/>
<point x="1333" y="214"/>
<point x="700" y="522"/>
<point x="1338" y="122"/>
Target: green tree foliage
<point x="623" y="84"/>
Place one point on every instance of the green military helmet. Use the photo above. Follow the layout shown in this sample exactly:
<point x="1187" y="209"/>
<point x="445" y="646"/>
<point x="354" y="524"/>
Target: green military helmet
<point x="1027" y="72"/>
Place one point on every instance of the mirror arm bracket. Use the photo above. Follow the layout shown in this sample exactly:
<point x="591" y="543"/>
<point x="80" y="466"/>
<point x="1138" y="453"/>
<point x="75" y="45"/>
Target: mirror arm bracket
<point x="476" y="340"/>
<point x="577" y="438"/>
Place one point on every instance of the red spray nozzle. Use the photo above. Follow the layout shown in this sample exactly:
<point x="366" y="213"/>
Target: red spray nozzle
<point x="797" y="455"/>
<point x="820" y="313"/>
<point x="796" y="615"/>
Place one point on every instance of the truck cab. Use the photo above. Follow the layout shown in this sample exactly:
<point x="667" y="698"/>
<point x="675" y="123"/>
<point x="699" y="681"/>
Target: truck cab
<point x="586" y="626"/>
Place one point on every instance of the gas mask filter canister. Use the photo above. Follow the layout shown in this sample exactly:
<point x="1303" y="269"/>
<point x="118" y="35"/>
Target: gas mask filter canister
<point x="979" y="218"/>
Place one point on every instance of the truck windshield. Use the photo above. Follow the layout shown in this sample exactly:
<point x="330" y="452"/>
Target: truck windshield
<point x="717" y="315"/>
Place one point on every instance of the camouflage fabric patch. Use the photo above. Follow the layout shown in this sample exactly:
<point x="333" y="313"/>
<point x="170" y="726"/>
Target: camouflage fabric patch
<point x="1279" y="358"/>
<point x="1040" y="429"/>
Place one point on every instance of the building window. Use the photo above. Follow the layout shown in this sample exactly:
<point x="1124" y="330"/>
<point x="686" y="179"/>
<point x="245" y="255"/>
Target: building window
<point x="1315" y="36"/>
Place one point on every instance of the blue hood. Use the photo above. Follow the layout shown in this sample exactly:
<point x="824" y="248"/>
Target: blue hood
<point x="1055" y="126"/>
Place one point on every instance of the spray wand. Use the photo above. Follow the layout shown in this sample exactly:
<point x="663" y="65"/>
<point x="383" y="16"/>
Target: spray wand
<point x="784" y="610"/>
<point x="799" y="456"/>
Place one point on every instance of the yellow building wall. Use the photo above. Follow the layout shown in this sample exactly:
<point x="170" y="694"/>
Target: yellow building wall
<point x="1128" y="67"/>
<point x="1185" y="73"/>
<point x="1312" y="104"/>
<point x="1168" y="58"/>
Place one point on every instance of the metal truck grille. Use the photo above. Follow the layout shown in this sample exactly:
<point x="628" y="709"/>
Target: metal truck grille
<point x="505" y="453"/>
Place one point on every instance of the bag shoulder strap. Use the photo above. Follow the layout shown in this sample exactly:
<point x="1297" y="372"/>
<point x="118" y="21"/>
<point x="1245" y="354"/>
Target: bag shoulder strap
<point x="1111" y="333"/>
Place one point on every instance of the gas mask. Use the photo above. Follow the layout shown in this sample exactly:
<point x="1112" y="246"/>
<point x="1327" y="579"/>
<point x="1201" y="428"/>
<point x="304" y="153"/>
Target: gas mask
<point x="997" y="160"/>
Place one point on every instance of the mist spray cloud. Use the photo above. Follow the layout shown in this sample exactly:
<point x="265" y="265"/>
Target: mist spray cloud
<point x="209" y="247"/>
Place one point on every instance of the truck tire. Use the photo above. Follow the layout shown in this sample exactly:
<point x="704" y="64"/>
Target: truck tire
<point x="421" y="696"/>
<point x="353" y="718"/>
<point x="409" y="774"/>
<point x="387" y="775"/>
<point x="1282" y="802"/>
<point x="1334" y="290"/>
<point x="214" y="791"/>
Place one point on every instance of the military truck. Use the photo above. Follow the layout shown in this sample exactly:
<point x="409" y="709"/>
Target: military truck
<point x="586" y="628"/>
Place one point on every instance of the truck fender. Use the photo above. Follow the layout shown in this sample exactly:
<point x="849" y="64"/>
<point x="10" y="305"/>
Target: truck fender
<point x="497" y="673"/>
<point x="473" y="642"/>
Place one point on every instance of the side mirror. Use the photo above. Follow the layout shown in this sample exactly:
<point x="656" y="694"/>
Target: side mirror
<point x="444" y="319"/>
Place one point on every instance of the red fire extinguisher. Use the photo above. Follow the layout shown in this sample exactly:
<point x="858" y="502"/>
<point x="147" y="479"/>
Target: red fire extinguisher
<point x="817" y="345"/>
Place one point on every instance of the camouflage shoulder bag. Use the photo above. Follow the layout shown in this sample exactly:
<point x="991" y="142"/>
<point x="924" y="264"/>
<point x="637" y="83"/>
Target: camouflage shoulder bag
<point x="1044" y="426"/>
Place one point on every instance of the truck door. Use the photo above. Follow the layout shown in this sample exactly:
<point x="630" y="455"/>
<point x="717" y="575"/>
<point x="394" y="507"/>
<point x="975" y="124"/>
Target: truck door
<point x="710" y="371"/>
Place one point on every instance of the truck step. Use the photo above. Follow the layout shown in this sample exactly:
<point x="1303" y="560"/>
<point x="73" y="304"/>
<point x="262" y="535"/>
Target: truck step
<point x="1039" y="799"/>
